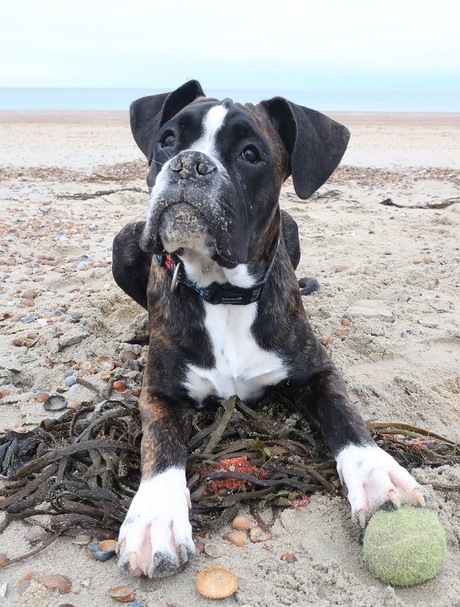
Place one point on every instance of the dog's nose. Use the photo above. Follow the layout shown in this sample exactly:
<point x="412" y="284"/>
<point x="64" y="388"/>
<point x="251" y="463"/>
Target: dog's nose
<point x="190" y="164"/>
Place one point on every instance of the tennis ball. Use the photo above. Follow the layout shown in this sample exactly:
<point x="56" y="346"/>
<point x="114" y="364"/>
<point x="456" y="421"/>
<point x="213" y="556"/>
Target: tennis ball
<point x="404" y="547"/>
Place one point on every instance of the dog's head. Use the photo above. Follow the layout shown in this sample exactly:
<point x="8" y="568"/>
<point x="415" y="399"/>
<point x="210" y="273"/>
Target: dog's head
<point x="216" y="168"/>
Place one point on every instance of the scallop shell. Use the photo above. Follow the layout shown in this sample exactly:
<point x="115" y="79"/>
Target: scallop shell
<point x="54" y="580"/>
<point x="236" y="537"/>
<point x="216" y="582"/>
<point x="55" y="402"/>
<point x="242" y="522"/>
<point x="257" y="534"/>
<point x="213" y="550"/>
<point x="83" y="365"/>
<point x="104" y="362"/>
<point x="122" y="594"/>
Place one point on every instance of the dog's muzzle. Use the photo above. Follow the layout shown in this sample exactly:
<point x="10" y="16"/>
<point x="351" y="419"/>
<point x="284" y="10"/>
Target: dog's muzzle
<point x="193" y="206"/>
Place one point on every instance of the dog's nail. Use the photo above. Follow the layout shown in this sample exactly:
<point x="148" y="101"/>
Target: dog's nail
<point x="418" y="497"/>
<point x="394" y="498"/>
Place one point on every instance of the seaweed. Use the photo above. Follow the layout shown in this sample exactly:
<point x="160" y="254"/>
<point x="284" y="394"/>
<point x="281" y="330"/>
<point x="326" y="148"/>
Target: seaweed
<point x="83" y="469"/>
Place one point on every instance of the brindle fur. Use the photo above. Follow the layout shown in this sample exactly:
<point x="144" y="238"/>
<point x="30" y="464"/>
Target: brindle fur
<point x="178" y="337"/>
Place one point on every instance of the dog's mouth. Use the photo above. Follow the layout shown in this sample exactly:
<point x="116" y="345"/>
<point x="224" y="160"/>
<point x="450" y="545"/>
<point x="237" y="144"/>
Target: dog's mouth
<point x="206" y="230"/>
<point x="181" y="226"/>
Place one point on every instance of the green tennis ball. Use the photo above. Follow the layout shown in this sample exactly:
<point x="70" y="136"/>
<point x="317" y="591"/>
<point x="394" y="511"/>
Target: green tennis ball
<point x="404" y="547"/>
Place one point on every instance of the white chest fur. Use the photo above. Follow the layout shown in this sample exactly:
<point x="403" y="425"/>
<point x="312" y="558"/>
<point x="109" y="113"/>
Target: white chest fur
<point x="241" y="367"/>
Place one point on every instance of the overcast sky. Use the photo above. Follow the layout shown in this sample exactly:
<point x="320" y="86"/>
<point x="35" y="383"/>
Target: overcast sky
<point x="236" y="44"/>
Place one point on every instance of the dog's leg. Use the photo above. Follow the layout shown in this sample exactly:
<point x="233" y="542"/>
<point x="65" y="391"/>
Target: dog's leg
<point x="131" y="265"/>
<point x="156" y="536"/>
<point x="371" y="475"/>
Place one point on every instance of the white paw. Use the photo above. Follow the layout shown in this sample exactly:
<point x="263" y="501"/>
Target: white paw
<point x="156" y="536"/>
<point x="372" y="478"/>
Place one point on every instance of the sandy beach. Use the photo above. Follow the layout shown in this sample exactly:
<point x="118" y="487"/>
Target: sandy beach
<point x="70" y="180"/>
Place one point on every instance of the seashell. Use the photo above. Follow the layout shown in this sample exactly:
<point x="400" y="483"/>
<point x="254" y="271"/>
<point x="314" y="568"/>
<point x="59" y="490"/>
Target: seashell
<point x="289" y="557"/>
<point x="102" y="551"/>
<point x="242" y="522"/>
<point x="236" y="537"/>
<point x="35" y="534"/>
<point x="4" y="560"/>
<point x="83" y="365"/>
<point x="104" y="362"/>
<point x="82" y="539"/>
<point x="216" y="582"/>
<point x="128" y="356"/>
<point x="213" y="550"/>
<point x="199" y="547"/>
<point x="136" y="391"/>
<point x="54" y="580"/>
<point x="55" y="402"/>
<point x="122" y="594"/>
<point x="257" y="534"/>
<point x="119" y="386"/>
<point x="136" y="604"/>
<point x="41" y="397"/>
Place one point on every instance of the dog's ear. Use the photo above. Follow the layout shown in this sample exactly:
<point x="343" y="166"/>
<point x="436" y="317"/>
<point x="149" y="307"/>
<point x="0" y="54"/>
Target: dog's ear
<point x="149" y="113"/>
<point x="315" y="143"/>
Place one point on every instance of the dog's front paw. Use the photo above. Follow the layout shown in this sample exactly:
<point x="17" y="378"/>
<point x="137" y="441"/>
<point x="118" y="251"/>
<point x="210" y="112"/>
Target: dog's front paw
<point x="372" y="478"/>
<point x="156" y="536"/>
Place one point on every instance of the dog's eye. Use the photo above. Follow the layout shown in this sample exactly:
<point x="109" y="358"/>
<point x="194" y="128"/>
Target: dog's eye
<point x="168" y="140"/>
<point x="250" y="154"/>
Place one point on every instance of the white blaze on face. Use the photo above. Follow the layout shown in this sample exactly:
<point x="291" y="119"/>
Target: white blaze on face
<point x="213" y="122"/>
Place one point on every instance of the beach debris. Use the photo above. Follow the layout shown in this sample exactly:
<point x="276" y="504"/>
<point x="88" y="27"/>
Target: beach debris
<point x="216" y="582"/>
<point x="122" y="594"/>
<point x="83" y="365"/>
<point x="54" y="580"/>
<point x="4" y="560"/>
<point x="102" y="551"/>
<point x="119" y="386"/>
<point x="3" y="590"/>
<point x="236" y="537"/>
<point x="82" y="539"/>
<point x="84" y="467"/>
<point x="36" y="534"/>
<point x="241" y="522"/>
<point x="288" y="557"/>
<point x="257" y="534"/>
<point x="103" y="361"/>
<point x="55" y="402"/>
<point x="213" y="550"/>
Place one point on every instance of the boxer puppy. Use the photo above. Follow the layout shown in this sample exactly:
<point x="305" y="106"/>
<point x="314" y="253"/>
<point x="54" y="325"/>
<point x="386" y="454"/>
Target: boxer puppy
<point x="214" y="265"/>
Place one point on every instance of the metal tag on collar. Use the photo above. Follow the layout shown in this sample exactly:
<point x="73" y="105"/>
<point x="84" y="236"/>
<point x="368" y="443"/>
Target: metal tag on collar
<point x="175" y="275"/>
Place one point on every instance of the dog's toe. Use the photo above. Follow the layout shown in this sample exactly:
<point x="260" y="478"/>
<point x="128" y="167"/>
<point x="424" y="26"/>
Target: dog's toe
<point x="308" y="285"/>
<point x="156" y="537"/>
<point x="372" y="478"/>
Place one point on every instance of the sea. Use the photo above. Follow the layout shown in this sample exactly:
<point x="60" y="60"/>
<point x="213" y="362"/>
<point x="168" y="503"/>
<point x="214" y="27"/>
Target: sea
<point x="119" y="99"/>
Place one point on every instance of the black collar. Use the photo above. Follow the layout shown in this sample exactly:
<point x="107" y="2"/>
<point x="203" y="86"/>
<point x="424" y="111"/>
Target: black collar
<point x="215" y="293"/>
